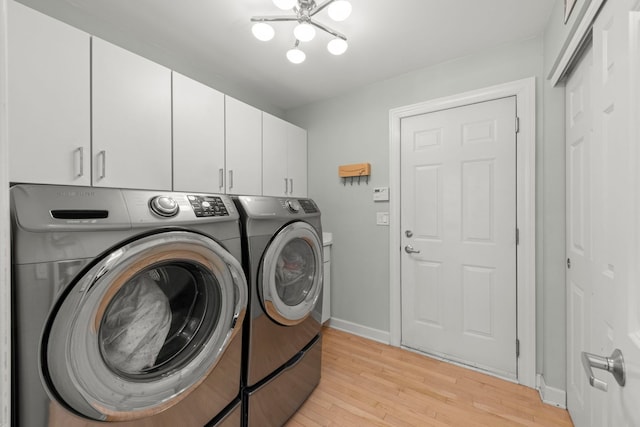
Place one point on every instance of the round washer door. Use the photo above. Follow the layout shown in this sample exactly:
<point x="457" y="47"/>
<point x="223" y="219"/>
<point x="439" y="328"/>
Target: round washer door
<point x="291" y="278"/>
<point x="143" y="327"/>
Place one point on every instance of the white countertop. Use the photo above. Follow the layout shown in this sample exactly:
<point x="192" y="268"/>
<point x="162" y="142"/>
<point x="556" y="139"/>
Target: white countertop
<point x="327" y="239"/>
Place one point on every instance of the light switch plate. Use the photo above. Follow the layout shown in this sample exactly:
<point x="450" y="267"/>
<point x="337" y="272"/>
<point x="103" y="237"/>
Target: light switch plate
<point x="382" y="218"/>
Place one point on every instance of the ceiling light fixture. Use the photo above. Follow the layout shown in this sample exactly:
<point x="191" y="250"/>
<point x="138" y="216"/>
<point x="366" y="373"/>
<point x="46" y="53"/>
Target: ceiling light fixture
<point x="305" y="31"/>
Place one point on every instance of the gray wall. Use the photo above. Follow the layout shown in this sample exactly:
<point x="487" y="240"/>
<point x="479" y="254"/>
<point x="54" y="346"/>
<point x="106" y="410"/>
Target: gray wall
<point x="354" y="128"/>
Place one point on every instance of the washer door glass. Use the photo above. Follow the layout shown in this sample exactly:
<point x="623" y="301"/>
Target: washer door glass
<point x="292" y="274"/>
<point x="144" y="326"/>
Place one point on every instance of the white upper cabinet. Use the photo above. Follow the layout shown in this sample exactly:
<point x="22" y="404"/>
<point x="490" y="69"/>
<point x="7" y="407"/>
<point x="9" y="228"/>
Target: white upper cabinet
<point x="297" y="161"/>
<point x="243" y="148"/>
<point x="284" y="166"/>
<point x="131" y="119"/>
<point x="198" y="136"/>
<point x="48" y="99"/>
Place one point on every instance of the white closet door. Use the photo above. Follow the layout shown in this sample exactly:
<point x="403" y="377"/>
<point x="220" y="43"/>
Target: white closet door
<point x="580" y="207"/>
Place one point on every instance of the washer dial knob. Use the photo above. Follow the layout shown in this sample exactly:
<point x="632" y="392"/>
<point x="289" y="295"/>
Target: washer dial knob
<point x="164" y="206"/>
<point x="293" y="205"/>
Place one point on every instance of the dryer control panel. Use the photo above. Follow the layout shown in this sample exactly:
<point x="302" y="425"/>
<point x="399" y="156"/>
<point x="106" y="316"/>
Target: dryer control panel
<point x="296" y="205"/>
<point x="308" y="206"/>
<point x="204" y="206"/>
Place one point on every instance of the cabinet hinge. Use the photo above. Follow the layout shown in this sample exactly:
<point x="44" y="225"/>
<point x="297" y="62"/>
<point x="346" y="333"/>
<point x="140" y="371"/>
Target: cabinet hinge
<point x="517" y="347"/>
<point x="517" y="236"/>
<point x="517" y="124"/>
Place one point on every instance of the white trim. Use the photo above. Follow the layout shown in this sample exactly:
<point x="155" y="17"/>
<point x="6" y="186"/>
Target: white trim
<point x="566" y="60"/>
<point x="360" y="330"/>
<point x="5" y="248"/>
<point x="551" y="395"/>
<point x="524" y="90"/>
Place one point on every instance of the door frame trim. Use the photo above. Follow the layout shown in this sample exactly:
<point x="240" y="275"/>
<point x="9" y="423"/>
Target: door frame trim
<point x="524" y="91"/>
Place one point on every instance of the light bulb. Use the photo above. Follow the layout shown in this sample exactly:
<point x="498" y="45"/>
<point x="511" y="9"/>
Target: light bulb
<point x="296" y="56"/>
<point x="263" y="31"/>
<point x="340" y="10"/>
<point x="285" y="4"/>
<point x="337" y="46"/>
<point x="304" y="32"/>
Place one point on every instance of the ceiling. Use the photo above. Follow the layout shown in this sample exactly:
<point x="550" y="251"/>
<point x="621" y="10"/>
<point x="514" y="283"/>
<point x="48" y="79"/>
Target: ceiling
<point x="211" y="40"/>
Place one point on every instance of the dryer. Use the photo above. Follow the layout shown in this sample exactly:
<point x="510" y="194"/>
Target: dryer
<point x="282" y="338"/>
<point x="128" y="308"/>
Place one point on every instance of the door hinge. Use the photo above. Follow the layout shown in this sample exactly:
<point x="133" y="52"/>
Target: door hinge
<point x="517" y="347"/>
<point x="517" y="236"/>
<point x="517" y="124"/>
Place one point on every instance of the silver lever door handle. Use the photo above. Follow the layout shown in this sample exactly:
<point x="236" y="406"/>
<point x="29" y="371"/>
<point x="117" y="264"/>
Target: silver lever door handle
<point x="409" y="249"/>
<point x="613" y="364"/>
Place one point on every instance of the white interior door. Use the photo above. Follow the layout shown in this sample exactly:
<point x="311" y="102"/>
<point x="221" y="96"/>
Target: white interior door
<point x="579" y="212"/>
<point x="612" y="317"/>
<point x="458" y="219"/>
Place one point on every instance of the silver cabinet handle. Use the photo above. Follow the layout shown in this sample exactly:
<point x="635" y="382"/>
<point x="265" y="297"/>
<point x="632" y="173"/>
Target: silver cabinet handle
<point x="230" y="179"/>
<point x="613" y="364"/>
<point x="221" y="178"/>
<point x="291" y="186"/>
<point x="286" y="186"/>
<point x="103" y="155"/>
<point x="80" y="151"/>
<point x="409" y="249"/>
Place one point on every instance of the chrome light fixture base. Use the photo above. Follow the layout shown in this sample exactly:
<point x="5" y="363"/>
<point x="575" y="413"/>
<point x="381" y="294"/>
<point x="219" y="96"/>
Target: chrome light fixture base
<point x="304" y="13"/>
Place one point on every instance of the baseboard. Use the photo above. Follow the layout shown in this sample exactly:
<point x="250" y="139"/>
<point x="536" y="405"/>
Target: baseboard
<point x="551" y="395"/>
<point x="360" y="330"/>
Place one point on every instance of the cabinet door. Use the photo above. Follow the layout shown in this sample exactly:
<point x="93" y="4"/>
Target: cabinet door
<point x="243" y="148"/>
<point x="49" y="102"/>
<point x="275" y="181"/>
<point x="297" y="160"/>
<point x="198" y="136"/>
<point x="131" y="119"/>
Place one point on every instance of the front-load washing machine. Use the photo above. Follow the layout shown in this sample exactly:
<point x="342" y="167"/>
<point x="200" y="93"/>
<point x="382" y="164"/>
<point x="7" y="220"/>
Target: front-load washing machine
<point x="128" y="308"/>
<point x="282" y="338"/>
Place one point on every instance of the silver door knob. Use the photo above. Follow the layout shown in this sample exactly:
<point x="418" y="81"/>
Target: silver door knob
<point x="613" y="364"/>
<point x="409" y="249"/>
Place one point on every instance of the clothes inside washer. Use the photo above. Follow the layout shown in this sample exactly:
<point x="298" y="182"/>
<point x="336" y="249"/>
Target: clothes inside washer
<point x="136" y="325"/>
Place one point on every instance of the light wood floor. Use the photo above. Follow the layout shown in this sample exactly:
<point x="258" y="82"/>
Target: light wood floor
<point x="365" y="383"/>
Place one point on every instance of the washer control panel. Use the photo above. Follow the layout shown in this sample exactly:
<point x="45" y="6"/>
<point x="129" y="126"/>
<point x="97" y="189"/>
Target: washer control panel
<point x="204" y="206"/>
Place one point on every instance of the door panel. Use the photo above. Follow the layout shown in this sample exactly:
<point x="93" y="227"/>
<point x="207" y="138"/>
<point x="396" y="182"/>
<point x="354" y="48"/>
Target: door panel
<point x="580" y="271"/>
<point x="610" y="318"/>
<point x="459" y="211"/>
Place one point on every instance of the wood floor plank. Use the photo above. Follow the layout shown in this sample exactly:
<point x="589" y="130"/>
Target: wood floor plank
<point x="366" y="383"/>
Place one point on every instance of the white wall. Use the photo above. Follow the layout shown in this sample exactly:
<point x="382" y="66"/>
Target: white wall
<point x="5" y="263"/>
<point x="353" y="128"/>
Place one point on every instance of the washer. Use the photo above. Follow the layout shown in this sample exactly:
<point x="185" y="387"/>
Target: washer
<point x="128" y="307"/>
<point x="282" y="342"/>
